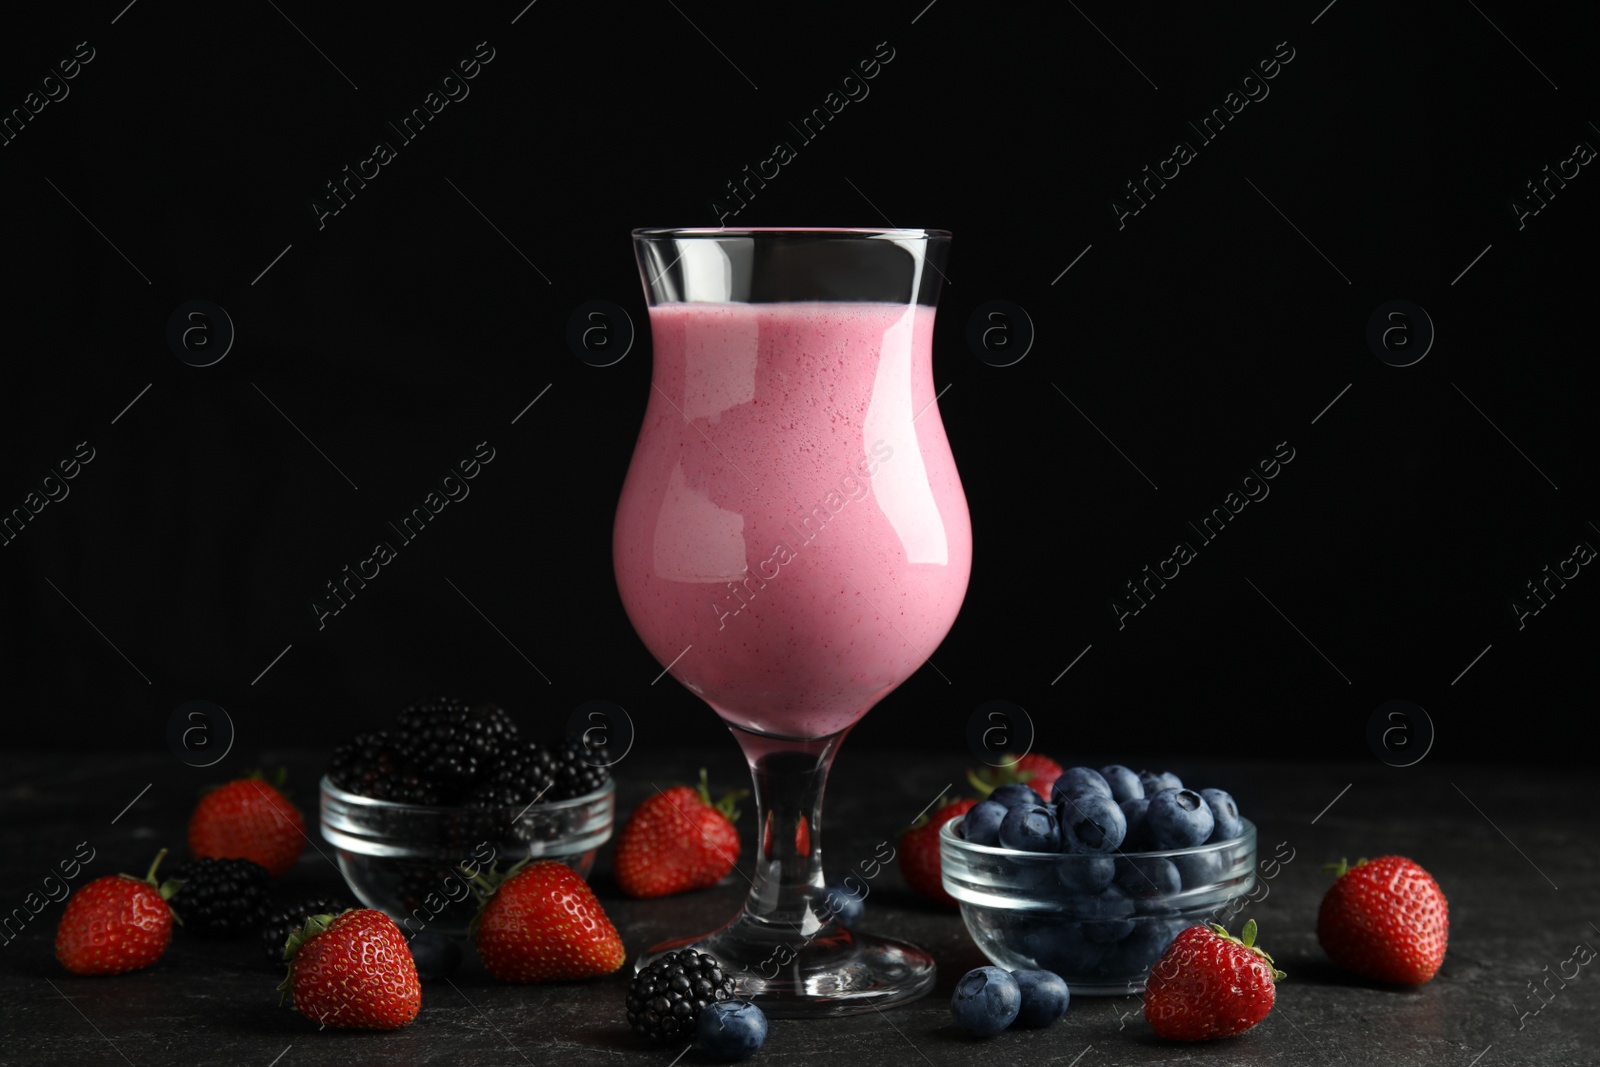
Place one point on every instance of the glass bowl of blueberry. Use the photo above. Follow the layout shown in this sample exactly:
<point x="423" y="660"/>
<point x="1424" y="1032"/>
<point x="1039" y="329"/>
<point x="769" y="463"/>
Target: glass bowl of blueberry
<point x="451" y="790"/>
<point x="1095" y="883"/>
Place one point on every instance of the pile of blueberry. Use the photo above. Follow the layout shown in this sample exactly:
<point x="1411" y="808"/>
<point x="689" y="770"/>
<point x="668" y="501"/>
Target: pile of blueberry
<point x="1103" y="812"/>
<point x="1116" y="917"/>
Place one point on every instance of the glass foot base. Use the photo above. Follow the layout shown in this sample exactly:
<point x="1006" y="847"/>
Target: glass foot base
<point x="791" y="975"/>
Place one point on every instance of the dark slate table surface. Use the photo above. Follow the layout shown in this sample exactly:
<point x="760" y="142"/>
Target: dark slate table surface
<point x="1515" y="851"/>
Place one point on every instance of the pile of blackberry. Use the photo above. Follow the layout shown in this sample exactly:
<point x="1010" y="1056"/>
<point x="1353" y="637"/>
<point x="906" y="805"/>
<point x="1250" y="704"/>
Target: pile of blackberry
<point x="381" y="766"/>
<point x="221" y="897"/>
<point x="666" y="998"/>
<point x="446" y="752"/>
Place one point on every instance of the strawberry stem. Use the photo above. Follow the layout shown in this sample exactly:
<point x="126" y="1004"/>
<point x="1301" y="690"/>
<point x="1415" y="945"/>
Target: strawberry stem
<point x="725" y="805"/>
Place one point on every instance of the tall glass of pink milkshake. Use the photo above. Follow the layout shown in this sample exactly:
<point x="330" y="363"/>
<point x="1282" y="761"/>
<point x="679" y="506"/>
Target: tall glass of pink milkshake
<point x="792" y="542"/>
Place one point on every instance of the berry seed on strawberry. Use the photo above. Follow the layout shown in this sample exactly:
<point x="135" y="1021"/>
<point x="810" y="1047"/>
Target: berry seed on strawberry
<point x="352" y="971"/>
<point x="1385" y="919"/>
<point x="677" y="840"/>
<point x="115" y="924"/>
<point x="248" y="819"/>
<point x="1209" y="984"/>
<point x="542" y="923"/>
<point x="919" y="852"/>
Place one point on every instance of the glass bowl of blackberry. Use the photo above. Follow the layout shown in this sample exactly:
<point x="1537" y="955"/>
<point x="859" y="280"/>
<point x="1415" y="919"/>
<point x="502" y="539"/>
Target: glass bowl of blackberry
<point x="1095" y="883"/>
<point x="453" y="790"/>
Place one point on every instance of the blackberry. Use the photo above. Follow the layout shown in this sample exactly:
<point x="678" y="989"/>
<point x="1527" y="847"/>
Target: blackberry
<point x="428" y="890"/>
<point x="221" y="898"/>
<point x="525" y="771"/>
<point x="576" y="771"/>
<point x="290" y="917"/>
<point x="454" y="745"/>
<point x="378" y="765"/>
<point x="666" y="998"/>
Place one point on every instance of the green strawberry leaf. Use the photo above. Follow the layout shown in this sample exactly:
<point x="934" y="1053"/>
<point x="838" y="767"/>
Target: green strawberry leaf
<point x="1247" y="938"/>
<point x="725" y="805"/>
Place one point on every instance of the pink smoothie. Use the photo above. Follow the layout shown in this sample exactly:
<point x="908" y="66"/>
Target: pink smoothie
<point x="792" y="515"/>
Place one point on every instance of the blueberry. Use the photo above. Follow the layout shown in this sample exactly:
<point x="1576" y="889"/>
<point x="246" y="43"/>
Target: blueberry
<point x="981" y="824"/>
<point x="1063" y="948"/>
<point x="1225" y="812"/>
<point x="1015" y="795"/>
<point x="731" y="1029"/>
<point x="1150" y="938"/>
<point x="1086" y="873"/>
<point x="1110" y="903"/>
<point x="1031" y="829"/>
<point x="1108" y="932"/>
<point x="1125" y="785"/>
<point x="1138" y="836"/>
<point x="1044" y="997"/>
<point x="1179" y="818"/>
<point x="1154" y="783"/>
<point x="845" y="906"/>
<point x="986" y="1001"/>
<point x="1198" y="869"/>
<point x="1091" y="823"/>
<point x="1025" y="875"/>
<point x="1149" y="877"/>
<point x="1075" y="780"/>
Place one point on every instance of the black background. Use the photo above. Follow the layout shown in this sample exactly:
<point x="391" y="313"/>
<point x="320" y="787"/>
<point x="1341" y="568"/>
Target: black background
<point x="1198" y="336"/>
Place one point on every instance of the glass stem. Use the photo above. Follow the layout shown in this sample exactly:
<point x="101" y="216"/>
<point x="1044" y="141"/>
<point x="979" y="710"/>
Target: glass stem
<point x="789" y="777"/>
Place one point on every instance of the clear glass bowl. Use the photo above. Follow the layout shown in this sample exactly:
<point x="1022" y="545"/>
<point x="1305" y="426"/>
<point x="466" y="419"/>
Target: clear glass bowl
<point x="406" y="860"/>
<point x="1040" y="909"/>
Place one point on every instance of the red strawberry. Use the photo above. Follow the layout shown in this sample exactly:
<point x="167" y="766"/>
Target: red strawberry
<point x="543" y="924"/>
<point x="251" y="820"/>
<point x="678" y="840"/>
<point x="919" y="852"/>
<point x="1385" y="919"/>
<point x="354" y="971"/>
<point x="115" y="924"/>
<point x="1038" y="770"/>
<point x="1210" y="984"/>
<point x="802" y="837"/>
